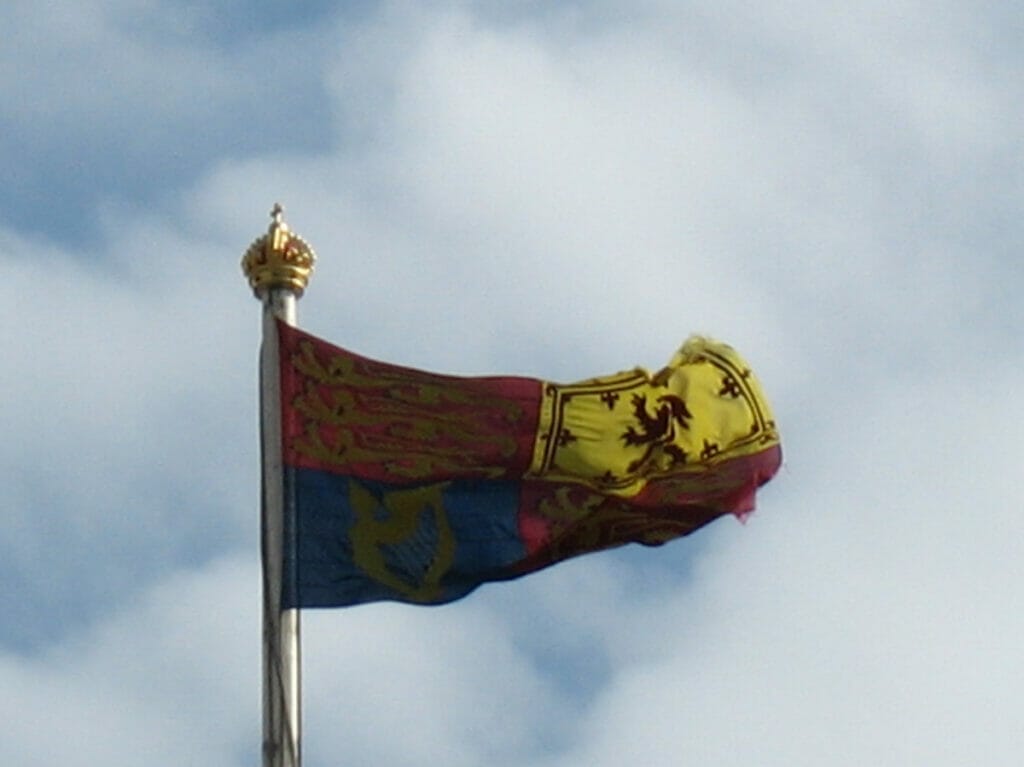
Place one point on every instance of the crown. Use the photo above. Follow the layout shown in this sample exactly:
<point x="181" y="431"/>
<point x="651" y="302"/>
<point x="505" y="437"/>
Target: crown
<point x="279" y="260"/>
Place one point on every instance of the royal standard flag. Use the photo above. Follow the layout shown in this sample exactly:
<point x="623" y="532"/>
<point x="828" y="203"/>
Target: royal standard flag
<point x="417" y="487"/>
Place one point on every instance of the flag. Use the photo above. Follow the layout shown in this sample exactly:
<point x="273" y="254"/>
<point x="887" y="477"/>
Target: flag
<point x="417" y="487"/>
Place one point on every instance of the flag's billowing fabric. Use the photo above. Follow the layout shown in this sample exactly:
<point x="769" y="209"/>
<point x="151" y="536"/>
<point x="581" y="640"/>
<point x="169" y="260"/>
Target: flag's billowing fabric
<point x="418" y="487"/>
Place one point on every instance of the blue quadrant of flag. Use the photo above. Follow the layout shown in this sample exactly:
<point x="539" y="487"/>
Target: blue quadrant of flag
<point x="426" y="544"/>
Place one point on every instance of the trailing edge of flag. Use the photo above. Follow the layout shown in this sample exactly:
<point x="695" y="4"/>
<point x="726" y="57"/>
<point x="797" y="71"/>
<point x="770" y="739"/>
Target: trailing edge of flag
<point x="417" y="487"/>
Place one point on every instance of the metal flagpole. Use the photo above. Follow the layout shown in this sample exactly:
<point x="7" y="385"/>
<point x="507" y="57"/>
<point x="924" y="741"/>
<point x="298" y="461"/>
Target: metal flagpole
<point x="278" y="266"/>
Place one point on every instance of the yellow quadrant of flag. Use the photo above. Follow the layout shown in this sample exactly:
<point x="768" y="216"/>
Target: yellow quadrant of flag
<point x="617" y="433"/>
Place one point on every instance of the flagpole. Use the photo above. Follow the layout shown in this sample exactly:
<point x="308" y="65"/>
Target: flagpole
<point x="278" y="266"/>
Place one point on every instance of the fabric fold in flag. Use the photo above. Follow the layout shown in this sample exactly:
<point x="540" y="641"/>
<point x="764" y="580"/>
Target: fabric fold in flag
<point x="418" y="487"/>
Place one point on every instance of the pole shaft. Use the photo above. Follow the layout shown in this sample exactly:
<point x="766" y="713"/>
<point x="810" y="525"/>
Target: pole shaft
<point x="281" y="638"/>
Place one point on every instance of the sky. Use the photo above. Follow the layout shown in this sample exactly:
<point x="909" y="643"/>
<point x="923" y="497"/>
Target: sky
<point x="551" y="189"/>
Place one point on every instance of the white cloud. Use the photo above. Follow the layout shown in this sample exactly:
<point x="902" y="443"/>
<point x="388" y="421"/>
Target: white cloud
<point x="134" y="418"/>
<point x="387" y="684"/>
<point x="168" y="679"/>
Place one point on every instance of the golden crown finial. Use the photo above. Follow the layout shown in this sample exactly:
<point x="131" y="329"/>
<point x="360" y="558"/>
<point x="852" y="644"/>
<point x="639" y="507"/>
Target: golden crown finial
<point x="279" y="260"/>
